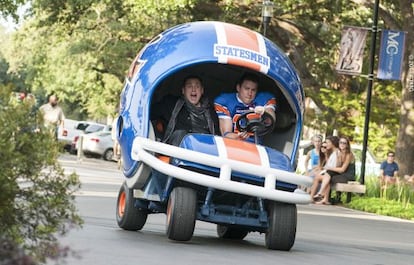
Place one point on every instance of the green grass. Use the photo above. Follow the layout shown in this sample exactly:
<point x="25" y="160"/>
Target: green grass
<point x="382" y="206"/>
<point x="392" y="200"/>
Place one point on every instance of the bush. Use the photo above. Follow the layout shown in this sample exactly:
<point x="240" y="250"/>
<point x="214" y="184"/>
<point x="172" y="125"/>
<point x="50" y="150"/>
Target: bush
<point x="395" y="200"/>
<point x="383" y="206"/>
<point x="401" y="192"/>
<point x="36" y="197"/>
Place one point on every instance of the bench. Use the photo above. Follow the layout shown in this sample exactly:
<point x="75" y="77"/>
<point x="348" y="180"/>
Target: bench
<point x="349" y="188"/>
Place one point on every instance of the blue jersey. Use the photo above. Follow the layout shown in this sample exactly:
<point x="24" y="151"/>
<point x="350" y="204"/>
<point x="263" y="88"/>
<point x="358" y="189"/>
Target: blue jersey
<point x="229" y="106"/>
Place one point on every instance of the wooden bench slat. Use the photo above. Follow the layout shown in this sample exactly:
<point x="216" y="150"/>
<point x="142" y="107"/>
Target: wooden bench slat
<point x="345" y="187"/>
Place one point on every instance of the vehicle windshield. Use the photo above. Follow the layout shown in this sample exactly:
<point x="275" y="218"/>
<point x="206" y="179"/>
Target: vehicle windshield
<point x="94" y="128"/>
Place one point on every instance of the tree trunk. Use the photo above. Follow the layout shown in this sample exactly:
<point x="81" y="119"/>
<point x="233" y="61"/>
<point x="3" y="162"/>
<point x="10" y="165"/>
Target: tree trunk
<point x="405" y="139"/>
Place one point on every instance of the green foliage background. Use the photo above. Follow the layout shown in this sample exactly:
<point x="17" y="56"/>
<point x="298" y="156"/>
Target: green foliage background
<point x="82" y="50"/>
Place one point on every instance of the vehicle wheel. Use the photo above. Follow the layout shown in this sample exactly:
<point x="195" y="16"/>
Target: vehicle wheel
<point x="181" y="214"/>
<point x="127" y="216"/>
<point x="108" y="155"/>
<point x="282" y="226"/>
<point x="229" y="232"/>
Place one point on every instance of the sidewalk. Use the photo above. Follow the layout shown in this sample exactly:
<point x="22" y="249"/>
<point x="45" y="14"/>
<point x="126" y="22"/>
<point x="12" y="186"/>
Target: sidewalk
<point x="340" y="211"/>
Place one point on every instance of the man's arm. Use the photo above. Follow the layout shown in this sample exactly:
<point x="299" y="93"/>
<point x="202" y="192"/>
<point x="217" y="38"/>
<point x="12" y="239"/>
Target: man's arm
<point x="61" y="121"/>
<point x="226" y="128"/>
<point x="382" y="169"/>
<point x="396" y="170"/>
<point x="268" y="102"/>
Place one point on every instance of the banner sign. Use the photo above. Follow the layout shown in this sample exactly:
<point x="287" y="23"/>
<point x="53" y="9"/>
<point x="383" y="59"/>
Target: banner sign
<point x="391" y="55"/>
<point x="351" y="50"/>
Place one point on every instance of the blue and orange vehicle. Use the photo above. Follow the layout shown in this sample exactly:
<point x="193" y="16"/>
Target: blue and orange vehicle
<point x="240" y="186"/>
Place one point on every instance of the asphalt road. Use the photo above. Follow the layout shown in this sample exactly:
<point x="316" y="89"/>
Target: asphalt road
<point x="325" y="234"/>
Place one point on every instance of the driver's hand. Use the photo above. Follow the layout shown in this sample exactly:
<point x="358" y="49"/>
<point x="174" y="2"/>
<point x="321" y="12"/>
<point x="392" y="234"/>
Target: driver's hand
<point x="238" y="136"/>
<point x="259" y="110"/>
<point x="243" y="135"/>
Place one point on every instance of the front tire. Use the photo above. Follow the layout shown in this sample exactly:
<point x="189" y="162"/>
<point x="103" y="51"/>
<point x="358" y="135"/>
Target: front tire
<point x="230" y="232"/>
<point x="127" y="216"/>
<point x="282" y="226"/>
<point x="181" y="214"/>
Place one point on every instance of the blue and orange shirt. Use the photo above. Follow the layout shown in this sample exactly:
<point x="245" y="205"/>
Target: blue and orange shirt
<point x="229" y="106"/>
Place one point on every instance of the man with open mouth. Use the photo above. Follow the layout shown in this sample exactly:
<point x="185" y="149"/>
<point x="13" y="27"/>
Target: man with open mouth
<point x="190" y="113"/>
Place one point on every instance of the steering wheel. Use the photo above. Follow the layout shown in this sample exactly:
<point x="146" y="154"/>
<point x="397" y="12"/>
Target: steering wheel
<point x="258" y="124"/>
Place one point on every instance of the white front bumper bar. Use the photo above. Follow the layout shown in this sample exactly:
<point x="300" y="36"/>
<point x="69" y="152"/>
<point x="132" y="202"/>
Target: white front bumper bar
<point x="143" y="149"/>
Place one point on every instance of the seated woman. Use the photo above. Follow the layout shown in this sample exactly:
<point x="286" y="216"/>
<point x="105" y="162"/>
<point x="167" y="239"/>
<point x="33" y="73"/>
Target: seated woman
<point x="343" y="172"/>
<point x="322" y="158"/>
<point x="322" y="177"/>
<point x="313" y="156"/>
<point x="347" y="169"/>
<point x="190" y="113"/>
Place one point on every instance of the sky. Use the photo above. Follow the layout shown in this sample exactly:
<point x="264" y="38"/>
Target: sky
<point x="8" y="23"/>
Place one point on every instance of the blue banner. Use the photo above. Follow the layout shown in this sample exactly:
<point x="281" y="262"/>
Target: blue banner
<point x="391" y="55"/>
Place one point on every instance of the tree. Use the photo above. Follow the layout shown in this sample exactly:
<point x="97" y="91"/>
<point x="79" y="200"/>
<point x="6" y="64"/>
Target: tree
<point x="9" y="7"/>
<point x="36" y="197"/>
<point x="405" y="140"/>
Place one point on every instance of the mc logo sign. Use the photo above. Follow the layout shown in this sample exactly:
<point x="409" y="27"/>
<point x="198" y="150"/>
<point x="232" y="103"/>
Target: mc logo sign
<point x="392" y="43"/>
<point x="391" y="55"/>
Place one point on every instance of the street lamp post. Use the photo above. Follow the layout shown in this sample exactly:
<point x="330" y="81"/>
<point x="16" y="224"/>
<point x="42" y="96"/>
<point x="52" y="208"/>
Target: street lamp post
<point x="369" y="90"/>
<point x="267" y="14"/>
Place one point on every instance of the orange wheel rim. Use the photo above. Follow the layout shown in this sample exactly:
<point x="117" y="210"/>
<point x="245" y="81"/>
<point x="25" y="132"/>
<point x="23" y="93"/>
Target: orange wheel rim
<point x="121" y="204"/>
<point x="169" y="206"/>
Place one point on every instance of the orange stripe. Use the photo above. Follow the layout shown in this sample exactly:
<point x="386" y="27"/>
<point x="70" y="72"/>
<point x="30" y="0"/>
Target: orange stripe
<point x="242" y="151"/>
<point x="271" y="102"/>
<point x="240" y="37"/>
<point x="165" y="159"/>
<point x="220" y="108"/>
<point x="253" y="66"/>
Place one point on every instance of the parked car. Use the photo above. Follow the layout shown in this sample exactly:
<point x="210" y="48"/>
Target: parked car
<point x="70" y="130"/>
<point x="372" y="165"/>
<point x="98" y="144"/>
<point x="86" y="127"/>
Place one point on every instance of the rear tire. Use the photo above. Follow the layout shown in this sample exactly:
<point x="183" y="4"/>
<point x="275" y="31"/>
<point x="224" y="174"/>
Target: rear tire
<point x="127" y="216"/>
<point x="181" y="214"/>
<point x="282" y="226"/>
<point x="230" y="232"/>
<point x="108" y="155"/>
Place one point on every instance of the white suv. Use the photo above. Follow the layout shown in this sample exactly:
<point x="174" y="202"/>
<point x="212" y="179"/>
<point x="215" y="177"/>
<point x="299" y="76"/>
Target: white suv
<point x="85" y="127"/>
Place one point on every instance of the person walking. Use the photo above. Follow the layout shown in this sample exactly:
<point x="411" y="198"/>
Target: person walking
<point x="53" y="116"/>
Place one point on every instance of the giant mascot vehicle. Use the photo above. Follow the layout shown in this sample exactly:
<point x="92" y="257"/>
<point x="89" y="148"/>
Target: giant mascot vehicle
<point x="240" y="186"/>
